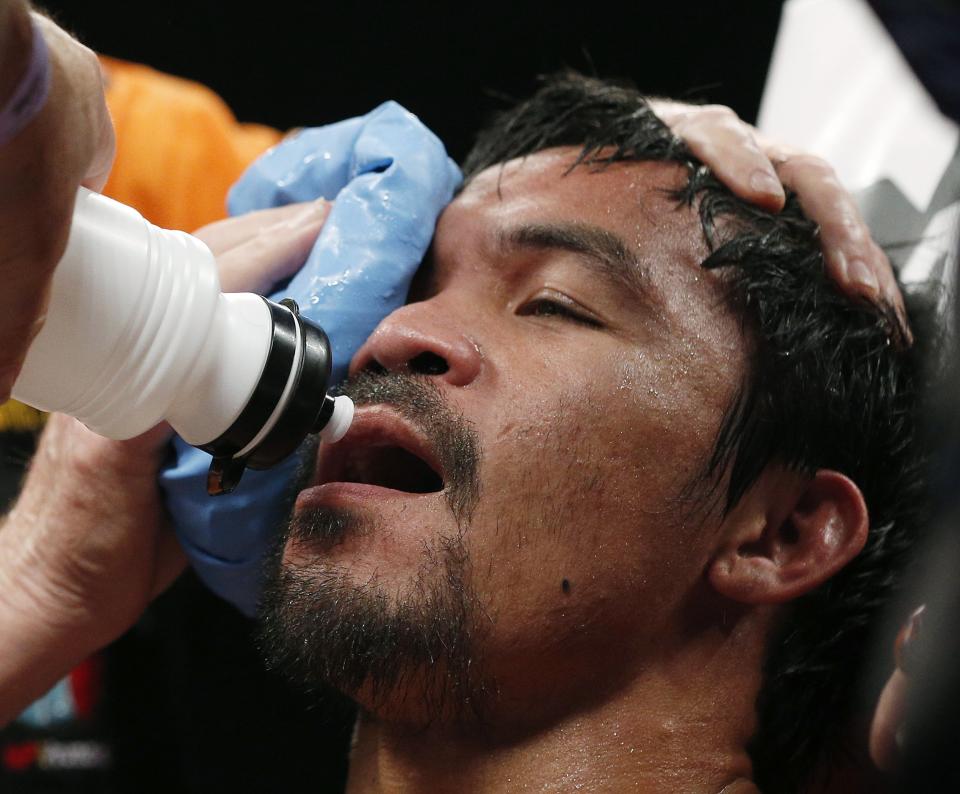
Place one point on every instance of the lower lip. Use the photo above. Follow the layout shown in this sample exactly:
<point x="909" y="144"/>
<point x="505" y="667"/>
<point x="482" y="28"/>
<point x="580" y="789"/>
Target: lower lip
<point x="354" y="492"/>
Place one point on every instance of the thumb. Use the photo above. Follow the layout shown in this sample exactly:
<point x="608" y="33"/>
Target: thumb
<point x="273" y="252"/>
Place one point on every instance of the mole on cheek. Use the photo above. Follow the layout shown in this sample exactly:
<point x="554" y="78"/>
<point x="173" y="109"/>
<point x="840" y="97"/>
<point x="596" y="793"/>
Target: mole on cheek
<point x="565" y="586"/>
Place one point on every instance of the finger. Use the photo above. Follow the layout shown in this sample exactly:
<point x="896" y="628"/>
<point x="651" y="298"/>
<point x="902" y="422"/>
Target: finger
<point x="82" y="111"/>
<point x="34" y="230"/>
<point x="853" y="260"/>
<point x="858" y="266"/>
<point x="27" y="287"/>
<point x="106" y="151"/>
<point x="223" y="235"/>
<point x="893" y="298"/>
<point x="149" y="445"/>
<point x="273" y="254"/>
<point x="887" y="721"/>
<point x="20" y="329"/>
<point x="728" y="146"/>
<point x="135" y="458"/>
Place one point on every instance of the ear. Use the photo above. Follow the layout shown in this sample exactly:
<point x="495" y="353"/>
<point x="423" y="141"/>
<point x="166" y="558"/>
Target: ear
<point x="787" y="536"/>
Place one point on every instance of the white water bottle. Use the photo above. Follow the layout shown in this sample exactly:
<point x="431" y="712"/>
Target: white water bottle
<point x="138" y="332"/>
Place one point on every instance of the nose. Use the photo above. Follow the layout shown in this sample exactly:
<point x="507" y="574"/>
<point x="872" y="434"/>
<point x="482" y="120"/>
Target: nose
<point x="417" y="339"/>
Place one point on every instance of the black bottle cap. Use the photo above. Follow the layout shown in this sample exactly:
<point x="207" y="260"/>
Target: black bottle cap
<point x="307" y="410"/>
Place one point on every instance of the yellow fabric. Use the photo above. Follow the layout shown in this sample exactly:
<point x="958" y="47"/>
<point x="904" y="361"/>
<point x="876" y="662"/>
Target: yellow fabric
<point x="179" y="149"/>
<point x="17" y="417"/>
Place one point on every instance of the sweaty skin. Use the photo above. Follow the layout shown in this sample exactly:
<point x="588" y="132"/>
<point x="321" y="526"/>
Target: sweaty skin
<point x="594" y="359"/>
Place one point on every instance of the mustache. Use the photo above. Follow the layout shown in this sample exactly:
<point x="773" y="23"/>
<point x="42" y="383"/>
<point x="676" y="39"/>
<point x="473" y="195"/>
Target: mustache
<point x="451" y="436"/>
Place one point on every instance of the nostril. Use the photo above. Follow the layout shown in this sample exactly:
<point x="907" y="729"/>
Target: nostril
<point x="428" y="364"/>
<point x="375" y="367"/>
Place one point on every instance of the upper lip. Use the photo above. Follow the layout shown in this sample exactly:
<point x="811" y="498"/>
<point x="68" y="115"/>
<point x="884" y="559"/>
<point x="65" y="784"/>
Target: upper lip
<point x="375" y="427"/>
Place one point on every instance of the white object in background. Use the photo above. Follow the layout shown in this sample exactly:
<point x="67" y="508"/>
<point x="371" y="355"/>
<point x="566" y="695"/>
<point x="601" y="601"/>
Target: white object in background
<point x="839" y="87"/>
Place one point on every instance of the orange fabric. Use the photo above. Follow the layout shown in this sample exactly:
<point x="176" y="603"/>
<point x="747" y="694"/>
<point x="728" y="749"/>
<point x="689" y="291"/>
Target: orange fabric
<point x="179" y="148"/>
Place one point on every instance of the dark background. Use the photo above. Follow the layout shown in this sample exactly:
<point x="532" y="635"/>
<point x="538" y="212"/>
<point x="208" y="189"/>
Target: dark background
<point x="292" y="63"/>
<point x="187" y="707"/>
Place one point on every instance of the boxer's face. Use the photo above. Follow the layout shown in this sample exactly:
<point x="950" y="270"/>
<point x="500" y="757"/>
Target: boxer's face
<point x="511" y="510"/>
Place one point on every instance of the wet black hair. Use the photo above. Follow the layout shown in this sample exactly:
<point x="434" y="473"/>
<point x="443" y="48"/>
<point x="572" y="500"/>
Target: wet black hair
<point x="828" y="387"/>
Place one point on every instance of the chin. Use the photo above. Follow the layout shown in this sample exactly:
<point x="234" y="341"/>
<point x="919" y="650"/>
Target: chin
<point x="343" y="608"/>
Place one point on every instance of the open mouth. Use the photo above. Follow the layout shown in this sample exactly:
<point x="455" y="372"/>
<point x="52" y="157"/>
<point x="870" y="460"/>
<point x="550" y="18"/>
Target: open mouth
<point x="381" y="449"/>
<point x="391" y="467"/>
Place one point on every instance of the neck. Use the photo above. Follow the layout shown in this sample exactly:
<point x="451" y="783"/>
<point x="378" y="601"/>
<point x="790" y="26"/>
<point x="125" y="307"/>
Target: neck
<point x="681" y="725"/>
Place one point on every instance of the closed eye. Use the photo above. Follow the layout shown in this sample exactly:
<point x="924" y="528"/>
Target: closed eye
<point x="561" y="307"/>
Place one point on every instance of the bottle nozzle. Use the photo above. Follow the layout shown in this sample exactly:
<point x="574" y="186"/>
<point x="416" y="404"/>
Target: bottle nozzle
<point x="335" y="418"/>
<point x="283" y="407"/>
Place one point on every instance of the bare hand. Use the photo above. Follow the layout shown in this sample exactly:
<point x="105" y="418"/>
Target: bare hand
<point x="257" y="250"/>
<point x="891" y="712"/>
<point x="756" y="169"/>
<point x="88" y="545"/>
<point x="71" y="142"/>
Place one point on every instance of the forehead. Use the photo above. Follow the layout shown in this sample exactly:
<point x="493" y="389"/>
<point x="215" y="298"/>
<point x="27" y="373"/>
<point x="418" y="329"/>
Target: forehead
<point x="630" y="199"/>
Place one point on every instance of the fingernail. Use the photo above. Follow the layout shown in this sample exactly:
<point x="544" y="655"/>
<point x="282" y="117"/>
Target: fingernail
<point x="838" y="262"/>
<point x="309" y="215"/>
<point x="765" y="182"/>
<point x="319" y="207"/>
<point x="862" y="276"/>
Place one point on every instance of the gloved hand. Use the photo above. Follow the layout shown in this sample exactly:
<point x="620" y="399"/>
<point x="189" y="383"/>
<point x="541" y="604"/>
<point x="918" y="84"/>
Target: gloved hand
<point x="390" y="178"/>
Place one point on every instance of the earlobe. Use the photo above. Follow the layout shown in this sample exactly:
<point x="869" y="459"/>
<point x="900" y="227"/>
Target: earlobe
<point x="782" y="541"/>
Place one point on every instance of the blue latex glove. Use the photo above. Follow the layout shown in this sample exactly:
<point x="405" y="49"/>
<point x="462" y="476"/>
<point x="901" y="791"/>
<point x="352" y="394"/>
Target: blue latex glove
<point x="390" y="178"/>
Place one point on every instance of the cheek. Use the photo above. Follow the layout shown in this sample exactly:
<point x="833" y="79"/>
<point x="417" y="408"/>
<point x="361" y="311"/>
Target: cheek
<point x="661" y="419"/>
<point x="581" y="486"/>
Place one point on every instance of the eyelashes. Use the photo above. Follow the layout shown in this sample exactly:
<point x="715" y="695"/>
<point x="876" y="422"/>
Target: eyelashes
<point x="560" y="307"/>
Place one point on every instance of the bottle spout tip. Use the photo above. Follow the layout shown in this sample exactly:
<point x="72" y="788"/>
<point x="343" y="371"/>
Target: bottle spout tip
<point x="340" y="421"/>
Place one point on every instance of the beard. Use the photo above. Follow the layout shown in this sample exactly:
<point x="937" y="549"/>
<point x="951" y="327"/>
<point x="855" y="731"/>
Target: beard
<point x="412" y="652"/>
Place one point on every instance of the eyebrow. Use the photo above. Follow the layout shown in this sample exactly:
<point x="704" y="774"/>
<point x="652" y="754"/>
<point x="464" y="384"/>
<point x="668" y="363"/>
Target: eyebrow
<point x="599" y="249"/>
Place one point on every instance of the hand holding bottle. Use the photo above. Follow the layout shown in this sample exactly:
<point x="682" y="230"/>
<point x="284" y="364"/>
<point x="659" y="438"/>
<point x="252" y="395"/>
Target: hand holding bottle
<point x="87" y="545"/>
<point x="55" y="135"/>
